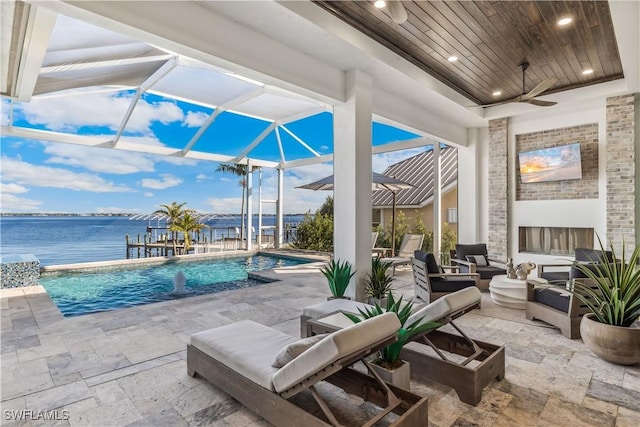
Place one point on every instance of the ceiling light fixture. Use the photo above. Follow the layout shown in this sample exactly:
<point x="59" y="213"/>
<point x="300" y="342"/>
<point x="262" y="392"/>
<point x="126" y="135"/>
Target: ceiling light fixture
<point x="587" y="71"/>
<point x="380" y="4"/>
<point x="565" y="21"/>
<point x="497" y="93"/>
<point x="452" y="58"/>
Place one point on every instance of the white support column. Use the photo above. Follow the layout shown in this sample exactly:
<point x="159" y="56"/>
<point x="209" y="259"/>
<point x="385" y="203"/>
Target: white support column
<point x="259" y="237"/>
<point x="249" y="235"/>
<point x="437" y="201"/>
<point x="352" y="179"/>
<point x="470" y="193"/>
<point x="279" y="209"/>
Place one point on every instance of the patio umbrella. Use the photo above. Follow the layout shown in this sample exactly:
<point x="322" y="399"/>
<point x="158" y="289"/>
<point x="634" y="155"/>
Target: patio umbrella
<point x="378" y="182"/>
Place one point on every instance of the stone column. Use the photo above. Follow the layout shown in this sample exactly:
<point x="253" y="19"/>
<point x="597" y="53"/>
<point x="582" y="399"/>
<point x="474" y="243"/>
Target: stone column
<point x="352" y="179"/>
<point x="622" y="141"/>
<point x="498" y="178"/>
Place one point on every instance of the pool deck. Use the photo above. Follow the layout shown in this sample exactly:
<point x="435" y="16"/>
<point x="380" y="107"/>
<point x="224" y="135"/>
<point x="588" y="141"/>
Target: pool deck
<point x="127" y="367"/>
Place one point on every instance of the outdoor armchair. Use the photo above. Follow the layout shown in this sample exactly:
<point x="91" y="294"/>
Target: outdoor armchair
<point x="431" y="281"/>
<point x="474" y="258"/>
<point x="560" y="272"/>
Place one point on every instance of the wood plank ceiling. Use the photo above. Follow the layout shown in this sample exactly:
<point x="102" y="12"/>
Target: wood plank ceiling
<point x="491" y="39"/>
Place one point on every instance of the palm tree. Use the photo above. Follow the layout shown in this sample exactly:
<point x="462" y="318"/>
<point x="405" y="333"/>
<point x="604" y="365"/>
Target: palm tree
<point x="241" y="171"/>
<point x="173" y="212"/>
<point x="186" y="224"/>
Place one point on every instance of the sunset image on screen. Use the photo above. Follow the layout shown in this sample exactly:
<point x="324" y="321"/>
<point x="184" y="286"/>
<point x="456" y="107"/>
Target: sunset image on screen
<point x="551" y="164"/>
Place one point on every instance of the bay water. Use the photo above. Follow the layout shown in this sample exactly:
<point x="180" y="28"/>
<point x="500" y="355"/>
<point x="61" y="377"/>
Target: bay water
<point x="58" y="240"/>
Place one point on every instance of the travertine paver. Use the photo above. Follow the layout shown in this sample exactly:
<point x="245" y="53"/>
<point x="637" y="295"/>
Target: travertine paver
<point x="127" y="367"/>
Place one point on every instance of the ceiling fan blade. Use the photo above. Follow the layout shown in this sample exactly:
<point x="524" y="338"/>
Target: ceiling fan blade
<point x="397" y="11"/>
<point x="541" y="103"/>
<point x="542" y="86"/>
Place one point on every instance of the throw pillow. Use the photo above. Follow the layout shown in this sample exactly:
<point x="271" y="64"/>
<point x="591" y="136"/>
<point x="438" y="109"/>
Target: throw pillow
<point x="478" y="260"/>
<point x="295" y="349"/>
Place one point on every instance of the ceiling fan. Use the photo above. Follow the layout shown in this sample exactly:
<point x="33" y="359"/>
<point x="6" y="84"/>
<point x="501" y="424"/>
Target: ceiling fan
<point x="529" y="97"/>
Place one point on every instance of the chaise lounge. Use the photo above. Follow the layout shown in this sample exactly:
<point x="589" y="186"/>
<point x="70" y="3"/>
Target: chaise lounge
<point x="468" y="379"/>
<point x="240" y="358"/>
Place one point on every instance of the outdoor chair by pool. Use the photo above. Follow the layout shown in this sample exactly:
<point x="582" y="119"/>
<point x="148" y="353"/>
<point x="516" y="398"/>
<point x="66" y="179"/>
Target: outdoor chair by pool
<point x="240" y="358"/>
<point x="410" y="243"/>
<point x="431" y="281"/>
<point x="480" y="362"/>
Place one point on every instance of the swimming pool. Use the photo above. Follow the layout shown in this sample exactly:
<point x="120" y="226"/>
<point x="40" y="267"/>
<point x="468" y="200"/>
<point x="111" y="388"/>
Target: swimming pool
<point x="90" y="292"/>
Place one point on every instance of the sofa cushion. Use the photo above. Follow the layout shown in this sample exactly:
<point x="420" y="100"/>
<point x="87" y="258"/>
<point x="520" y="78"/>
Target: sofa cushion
<point x="555" y="276"/>
<point x="551" y="297"/>
<point x="295" y="349"/>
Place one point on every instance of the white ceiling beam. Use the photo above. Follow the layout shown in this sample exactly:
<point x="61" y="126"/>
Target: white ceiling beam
<point x="302" y="114"/>
<point x="93" y="141"/>
<point x="280" y="149"/>
<point x="300" y="141"/>
<point x="107" y="63"/>
<point x="254" y="143"/>
<point x="39" y="25"/>
<point x="224" y="107"/>
<point x="147" y="84"/>
<point x="309" y="161"/>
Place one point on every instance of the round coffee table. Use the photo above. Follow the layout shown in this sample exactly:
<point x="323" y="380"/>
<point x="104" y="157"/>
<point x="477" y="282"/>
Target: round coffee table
<point x="508" y="292"/>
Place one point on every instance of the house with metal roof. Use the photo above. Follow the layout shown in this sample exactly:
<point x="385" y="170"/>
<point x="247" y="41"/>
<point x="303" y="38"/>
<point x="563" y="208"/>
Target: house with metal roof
<point x="418" y="201"/>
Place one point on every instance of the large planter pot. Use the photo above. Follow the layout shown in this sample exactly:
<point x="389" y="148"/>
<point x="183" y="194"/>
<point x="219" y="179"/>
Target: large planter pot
<point x="614" y="344"/>
<point x="400" y="377"/>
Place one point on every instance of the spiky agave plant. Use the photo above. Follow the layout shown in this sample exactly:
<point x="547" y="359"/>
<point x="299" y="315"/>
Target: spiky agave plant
<point x="338" y="274"/>
<point x="615" y="300"/>
<point x="389" y="357"/>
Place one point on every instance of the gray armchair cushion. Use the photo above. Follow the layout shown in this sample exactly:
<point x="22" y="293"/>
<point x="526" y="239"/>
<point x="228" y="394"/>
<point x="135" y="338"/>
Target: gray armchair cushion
<point x="555" y="276"/>
<point x="462" y="250"/>
<point x="553" y="298"/>
<point x="592" y="255"/>
<point x="452" y="284"/>
<point x="489" y="271"/>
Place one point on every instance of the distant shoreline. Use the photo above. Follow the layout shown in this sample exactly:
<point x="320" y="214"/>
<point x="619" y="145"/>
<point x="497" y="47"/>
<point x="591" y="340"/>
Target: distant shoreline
<point x="9" y="214"/>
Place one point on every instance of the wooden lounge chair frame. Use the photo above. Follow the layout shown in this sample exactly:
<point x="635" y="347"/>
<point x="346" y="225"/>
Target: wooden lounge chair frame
<point x="423" y="284"/>
<point x="278" y="410"/>
<point x="468" y="381"/>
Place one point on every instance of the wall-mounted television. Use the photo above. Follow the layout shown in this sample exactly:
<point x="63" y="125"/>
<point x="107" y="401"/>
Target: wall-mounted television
<point x="550" y="164"/>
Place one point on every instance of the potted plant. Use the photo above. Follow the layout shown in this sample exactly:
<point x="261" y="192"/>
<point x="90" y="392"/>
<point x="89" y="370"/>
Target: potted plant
<point x="388" y="363"/>
<point x="378" y="282"/>
<point x="613" y="297"/>
<point x="338" y="274"/>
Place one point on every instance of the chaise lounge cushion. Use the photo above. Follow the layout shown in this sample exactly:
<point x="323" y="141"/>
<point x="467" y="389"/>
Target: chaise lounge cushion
<point x="446" y="305"/>
<point x="246" y="347"/>
<point x="553" y="298"/>
<point x="342" y="343"/>
<point x="295" y="349"/>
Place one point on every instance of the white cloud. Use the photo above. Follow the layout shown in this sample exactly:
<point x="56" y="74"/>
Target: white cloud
<point x="44" y="176"/>
<point x="103" y="160"/>
<point x="225" y="179"/>
<point x="148" y="194"/>
<point x="12" y="188"/>
<point x="5" y="108"/>
<point x="382" y="161"/>
<point x="202" y="177"/>
<point x="12" y="203"/>
<point x="195" y="119"/>
<point x="69" y="113"/>
<point x="166" y="181"/>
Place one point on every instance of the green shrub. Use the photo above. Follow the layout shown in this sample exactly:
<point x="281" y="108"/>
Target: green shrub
<point x="315" y="232"/>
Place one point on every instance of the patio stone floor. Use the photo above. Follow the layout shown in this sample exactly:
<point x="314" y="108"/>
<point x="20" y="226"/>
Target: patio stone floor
<point x="127" y="367"/>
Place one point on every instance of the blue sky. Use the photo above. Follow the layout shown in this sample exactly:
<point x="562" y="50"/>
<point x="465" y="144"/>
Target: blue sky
<point x="39" y="176"/>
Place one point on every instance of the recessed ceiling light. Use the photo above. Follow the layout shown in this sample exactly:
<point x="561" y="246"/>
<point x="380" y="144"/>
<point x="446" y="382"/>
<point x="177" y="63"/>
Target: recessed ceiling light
<point x="497" y="93"/>
<point x="587" y="71"/>
<point x="452" y="58"/>
<point x="565" y="21"/>
<point x="380" y="4"/>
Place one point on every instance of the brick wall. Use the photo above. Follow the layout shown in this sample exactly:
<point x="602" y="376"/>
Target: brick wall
<point x="498" y="224"/>
<point x="621" y="171"/>
<point x="585" y="188"/>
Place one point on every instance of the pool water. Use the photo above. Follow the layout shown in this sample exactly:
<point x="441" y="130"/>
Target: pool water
<point x="83" y="293"/>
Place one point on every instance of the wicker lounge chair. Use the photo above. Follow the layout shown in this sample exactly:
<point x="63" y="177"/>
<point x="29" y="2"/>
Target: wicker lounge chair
<point x="239" y="359"/>
<point x="468" y="379"/>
